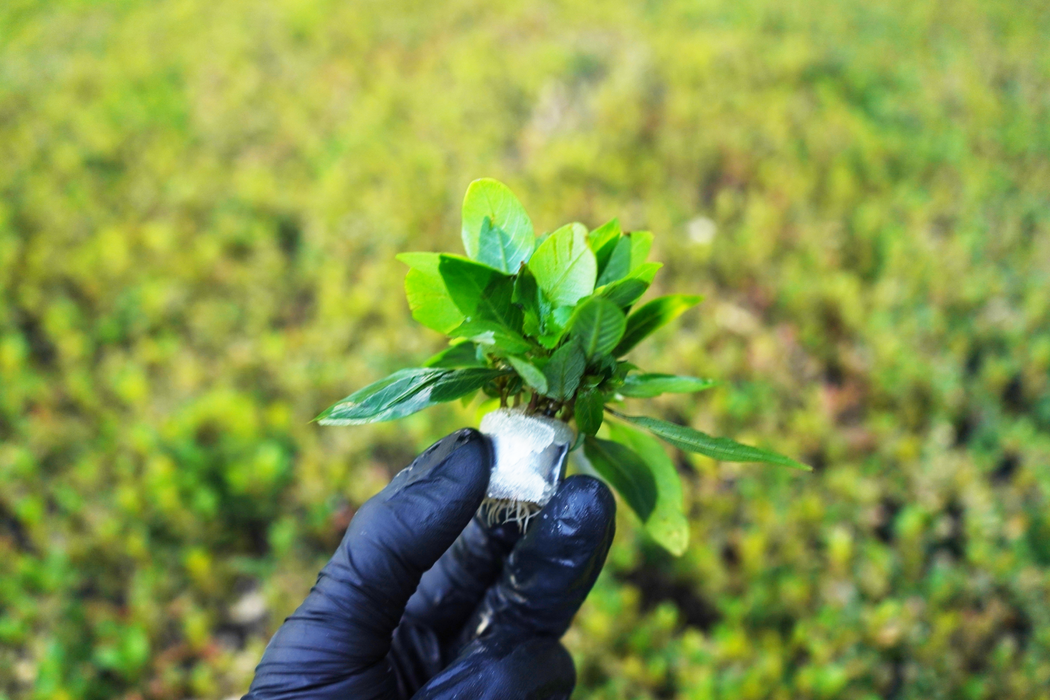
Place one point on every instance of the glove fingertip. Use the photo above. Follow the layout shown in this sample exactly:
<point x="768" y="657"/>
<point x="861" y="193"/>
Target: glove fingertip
<point x="583" y="511"/>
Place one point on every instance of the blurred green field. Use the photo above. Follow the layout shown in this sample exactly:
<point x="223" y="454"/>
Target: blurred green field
<point x="200" y="204"/>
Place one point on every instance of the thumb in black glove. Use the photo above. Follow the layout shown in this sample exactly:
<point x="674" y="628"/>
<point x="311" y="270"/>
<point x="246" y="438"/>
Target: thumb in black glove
<point x="421" y="600"/>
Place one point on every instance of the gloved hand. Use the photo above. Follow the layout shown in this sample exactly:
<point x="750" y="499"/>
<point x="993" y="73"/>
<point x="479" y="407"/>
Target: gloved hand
<point x="422" y="600"/>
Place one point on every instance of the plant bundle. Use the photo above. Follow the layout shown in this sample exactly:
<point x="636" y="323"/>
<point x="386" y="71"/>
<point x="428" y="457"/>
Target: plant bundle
<point x="541" y="326"/>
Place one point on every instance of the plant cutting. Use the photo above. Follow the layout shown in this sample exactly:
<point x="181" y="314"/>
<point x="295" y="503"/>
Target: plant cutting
<point x="541" y="326"/>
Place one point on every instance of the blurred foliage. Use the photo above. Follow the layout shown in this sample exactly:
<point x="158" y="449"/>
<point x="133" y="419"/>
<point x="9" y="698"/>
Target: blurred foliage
<point x="200" y="203"/>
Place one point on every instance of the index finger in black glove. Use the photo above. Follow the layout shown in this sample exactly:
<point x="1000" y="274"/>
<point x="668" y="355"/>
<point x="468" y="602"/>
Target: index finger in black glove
<point x="340" y="636"/>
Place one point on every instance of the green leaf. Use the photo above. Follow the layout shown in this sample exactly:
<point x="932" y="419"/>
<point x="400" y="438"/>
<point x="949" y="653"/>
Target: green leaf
<point x="564" y="267"/>
<point x="646" y="386"/>
<point x="564" y="371"/>
<point x="646" y="272"/>
<point x="497" y="248"/>
<point x="627" y="256"/>
<point x="460" y="382"/>
<point x="480" y="292"/>
<point x="619" y="263"/>
<point x="630" y="289"/>
<point x="526" y="291"/>
<point x="527" y="296"/>
<point x="463" y="354"/>
<point x="554" y="324"/>
<point x="598" y="324"/>
<point x="719" y="448"/>
<point x="651" y="317"/>
<point x="641" y="243"/>
<point x="602" y="241"/>
<point x="529" y="372"/>
<point x="625" y="471"/>
<point x="589" y="411"/>
<point x="428" y="297"/>
<point x="405" y="392"/>
<point x="667" y="523"/>
<point x="492" y="335"/>
<point x="514" y="241"/>
<point x="624" y="292"/>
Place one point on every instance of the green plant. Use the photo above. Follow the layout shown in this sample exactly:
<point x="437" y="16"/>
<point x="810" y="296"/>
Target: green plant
<point x="542" y="324"/>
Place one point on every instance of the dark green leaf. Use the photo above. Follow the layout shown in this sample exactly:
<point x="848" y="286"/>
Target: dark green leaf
<point x="652" y="316"/>
<point x="428" y="297"/>
<point x="404" y="393"/>
<point x="602" y="241"/>
<point x="480" y="292"/>
<point x="526" y="291"/>
<point x="625" y="292"/>
<point x="492" y="335"/>
<point x="719" y="448"/>
<point x="488" y="198"/>
<point x="646" y="386"/>
<point x="598" y="324"/>
<point x="589" y="411"/>
<point x="565" y="370"/>
<point x="530" y="373"/>
<point x="564" y="267"/>
<point x="527" y="296"/>
<point x="460" y="382"/>
<point x="619" y="263"/>
<point x="667" y="524"/>
<point x="625" y="471"/>
<point x="459" y="355"/>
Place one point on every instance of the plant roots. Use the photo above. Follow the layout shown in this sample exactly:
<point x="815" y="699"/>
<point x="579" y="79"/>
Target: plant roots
<point x="496" y="511"/>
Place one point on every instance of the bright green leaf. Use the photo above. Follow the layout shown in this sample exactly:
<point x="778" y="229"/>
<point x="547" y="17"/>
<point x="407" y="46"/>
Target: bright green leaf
<point x="428" y="297"/>
<point x="554" y="324"/>
<point x="625" y="471"/>
<point x="646" y="386"/>
<point x="564" y="266"/>
<point x="529" y="372"/>
<point x="564" y="371"/>
<point x="667" y="524"/>
<point x="719" y="448"/>
<point x="627" y="256"/>
<point x="598" y="324"/>
<point x="646" y="272"/>
<point x="602" y="241"/>
<point x="641" y="243"/>
<point x="494" y="200"/>
<point x="589" y="411"/>
<point x="652" y="316"/>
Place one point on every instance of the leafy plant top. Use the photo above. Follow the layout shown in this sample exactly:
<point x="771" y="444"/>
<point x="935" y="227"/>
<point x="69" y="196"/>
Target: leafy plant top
<point x="544" y="323"/>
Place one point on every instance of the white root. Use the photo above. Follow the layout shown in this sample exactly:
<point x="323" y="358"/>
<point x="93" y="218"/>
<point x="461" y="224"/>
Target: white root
<point x="496" y="511"/>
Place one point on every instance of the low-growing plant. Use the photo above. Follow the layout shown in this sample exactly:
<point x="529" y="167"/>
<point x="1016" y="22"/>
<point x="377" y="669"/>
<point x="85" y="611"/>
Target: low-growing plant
<point x="541" y="325"/>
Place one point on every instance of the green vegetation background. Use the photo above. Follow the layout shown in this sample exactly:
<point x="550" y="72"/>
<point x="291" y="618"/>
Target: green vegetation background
<point x="200" y="204"/>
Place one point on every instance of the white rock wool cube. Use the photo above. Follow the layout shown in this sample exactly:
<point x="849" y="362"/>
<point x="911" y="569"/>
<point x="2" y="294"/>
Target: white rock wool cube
<point x="530" y="453"/>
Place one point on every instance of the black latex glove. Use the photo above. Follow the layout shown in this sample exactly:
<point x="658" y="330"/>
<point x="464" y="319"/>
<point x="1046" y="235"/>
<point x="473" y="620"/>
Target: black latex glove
<point x="485" y="619"/>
